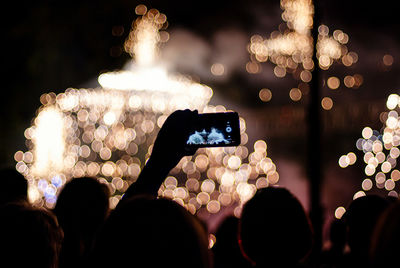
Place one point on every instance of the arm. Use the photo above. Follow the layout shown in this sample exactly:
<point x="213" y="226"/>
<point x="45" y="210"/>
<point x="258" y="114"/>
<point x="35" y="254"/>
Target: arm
<point x="168" y="150"/>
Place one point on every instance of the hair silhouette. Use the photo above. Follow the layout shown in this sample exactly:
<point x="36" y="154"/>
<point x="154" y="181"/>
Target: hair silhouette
<point x="274" y="228"/>
<point x="29" y="237"/>
<point x="385" y="245"/>
<point x="144" y="230"/>
<point x="81" y="209"/>
<point x="361" y="218"/>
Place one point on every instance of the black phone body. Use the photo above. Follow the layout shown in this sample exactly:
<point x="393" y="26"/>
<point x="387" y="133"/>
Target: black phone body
<point x="215" y="130"/>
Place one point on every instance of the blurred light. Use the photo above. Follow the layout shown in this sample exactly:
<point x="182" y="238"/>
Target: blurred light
<point x="367" y="133"/>
<point x="344" y="161"/>
<point x="295" y="94"/>
<point x="339" y="212"/>
<point x="273" y="177"/>
<point x="49" y="140"/>
<point x="333" y="82"/>
<point x="279" y="71"/>
<point x="212" y="240"/>
<point x="388" y="60"/>
<point x="358" y="195"/>
<point x="352" y="158"/>
<point x="217" y="69"/>
<point x="265" y="94"/>
<point x="140" y="10"/>
<point x="395" y="175"/>
<point x="392" y="101"/>
<point x="358" y="80"/>
<point x="367" y="185"/>
<point x="327" y="103"/>
<point x="213" y="206"/>
<point x="305" y="76"/>
<point x="381" y="151"/>
<point x="291" y="48"/>
<point x="262" y="182"/>
<point x="389" y="185"/>
<point x="253" y="67"/>
<point x="349" y="81"/>
<point x="109" y="132"/>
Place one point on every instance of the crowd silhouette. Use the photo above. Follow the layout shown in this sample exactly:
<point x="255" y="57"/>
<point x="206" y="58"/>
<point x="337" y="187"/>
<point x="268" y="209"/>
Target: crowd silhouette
<point x="145" y="230"/>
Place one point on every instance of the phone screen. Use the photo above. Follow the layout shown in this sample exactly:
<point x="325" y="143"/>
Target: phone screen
<point x="215" y="130"/>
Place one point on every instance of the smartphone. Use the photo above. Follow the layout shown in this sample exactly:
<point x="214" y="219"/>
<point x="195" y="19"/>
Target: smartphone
<point x="215" y="130"/>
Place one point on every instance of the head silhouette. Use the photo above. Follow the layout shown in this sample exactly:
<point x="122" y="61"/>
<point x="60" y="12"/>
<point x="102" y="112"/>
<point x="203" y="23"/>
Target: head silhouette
<point x="385" y="245"/>
<point x="14" y="186"/>
<point x="361" y="217"/>
<point x="274" y="228"/>
<point x="29" y="237"/>
<point x="81" y="209"/>
<point x="154" y="232"/>
<point x="226" y="250"/>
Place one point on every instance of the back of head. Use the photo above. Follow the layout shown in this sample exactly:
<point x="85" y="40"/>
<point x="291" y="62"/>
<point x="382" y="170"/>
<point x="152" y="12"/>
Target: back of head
<point x="81" y="208"/>
<point x="154" y="232"/>
<point x="274" y="228"/>
<point x="385" y="245"/>
<point x="227" y="236"/>
<point x="361" y="217"/>
<point x="14" y="186"/>
<point x="226" y="250"/>
<point x="29" y="237"/>
<point x="83" y="203"/>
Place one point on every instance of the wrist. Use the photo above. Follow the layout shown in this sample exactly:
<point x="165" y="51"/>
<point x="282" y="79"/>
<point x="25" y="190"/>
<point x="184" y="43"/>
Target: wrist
<point x="162" y="163"/>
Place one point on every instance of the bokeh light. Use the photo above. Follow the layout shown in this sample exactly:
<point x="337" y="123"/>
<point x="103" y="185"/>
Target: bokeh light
<point x="339" y="212"/>
<point x="291" y="48"/>
<point x="108" y="133"/>
<point x="327" y="103"/>
<point x="217" y="69"/>
<point x="295" y="94"/>
<point x="388" y="60"/>
<point x="380" y="152"/>
<point x="333" y="82"/>
<point x="265" y="94"/>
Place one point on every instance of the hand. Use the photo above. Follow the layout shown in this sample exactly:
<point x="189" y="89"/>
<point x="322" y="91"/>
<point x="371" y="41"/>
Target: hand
<point x="170" y="145"/>
<point x="168" y="150"/>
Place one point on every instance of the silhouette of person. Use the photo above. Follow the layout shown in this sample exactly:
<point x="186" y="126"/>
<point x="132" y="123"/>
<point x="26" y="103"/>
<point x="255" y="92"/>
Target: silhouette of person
<point x="81" y="209"/>
<point x="29" y="237"/>
<point x="226" y="250"/>
<point x="274" y="230"/>
<point x="361" y="218"/>
<point x="385" y="245"/>
<point x="14" y="186"/>
<point x="151" y="231"/>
